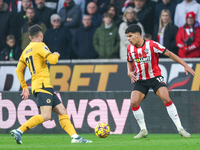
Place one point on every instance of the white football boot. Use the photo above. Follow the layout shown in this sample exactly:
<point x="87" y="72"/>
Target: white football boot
<point x="17" y="135"/>
<point x="142" y="134"/>
<point x="80" y="140"/>
<point x="184" y="133"/>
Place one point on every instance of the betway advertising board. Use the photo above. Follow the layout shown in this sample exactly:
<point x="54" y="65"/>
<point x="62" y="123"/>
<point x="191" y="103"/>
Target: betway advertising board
<point x="100" y="75"/>
<point x="86" y="109"/>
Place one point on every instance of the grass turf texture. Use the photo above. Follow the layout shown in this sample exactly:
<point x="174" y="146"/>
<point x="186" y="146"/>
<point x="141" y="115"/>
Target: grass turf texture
<point x="112" y="142"/>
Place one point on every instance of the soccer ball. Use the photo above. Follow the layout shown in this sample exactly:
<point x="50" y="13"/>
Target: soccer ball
<point x="102" y="130"/>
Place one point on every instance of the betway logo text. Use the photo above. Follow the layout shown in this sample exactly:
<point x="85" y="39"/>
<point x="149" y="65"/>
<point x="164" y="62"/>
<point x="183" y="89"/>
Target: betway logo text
<point x="78" y="114"/>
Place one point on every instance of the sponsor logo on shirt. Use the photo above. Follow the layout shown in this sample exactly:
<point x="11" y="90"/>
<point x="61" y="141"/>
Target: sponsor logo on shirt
<point x="45" y="47"/>
<point x="145" y="59"/>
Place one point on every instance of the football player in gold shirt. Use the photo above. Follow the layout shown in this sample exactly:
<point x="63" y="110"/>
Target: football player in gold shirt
<point x="35" y="56"/>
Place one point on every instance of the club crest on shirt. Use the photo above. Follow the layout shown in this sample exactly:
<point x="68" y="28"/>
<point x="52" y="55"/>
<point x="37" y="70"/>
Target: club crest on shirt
<point x="146" y="51"/>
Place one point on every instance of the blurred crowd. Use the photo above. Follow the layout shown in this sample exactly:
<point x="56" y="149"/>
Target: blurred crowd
<point x="91" y="29"/>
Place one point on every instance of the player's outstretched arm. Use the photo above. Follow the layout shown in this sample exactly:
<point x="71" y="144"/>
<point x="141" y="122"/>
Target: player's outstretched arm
<point x="53" y="58"/>
<point x="180" y="61"/>
<point x="20" y="74"/>
<point x="130" y="72"/>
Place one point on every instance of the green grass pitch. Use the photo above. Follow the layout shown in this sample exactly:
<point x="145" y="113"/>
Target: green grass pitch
<point x="112" y="142"/>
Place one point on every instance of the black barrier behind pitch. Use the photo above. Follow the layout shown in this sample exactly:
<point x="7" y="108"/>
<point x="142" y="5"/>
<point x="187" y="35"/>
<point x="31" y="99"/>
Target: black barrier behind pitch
<point x="86" y="109"/>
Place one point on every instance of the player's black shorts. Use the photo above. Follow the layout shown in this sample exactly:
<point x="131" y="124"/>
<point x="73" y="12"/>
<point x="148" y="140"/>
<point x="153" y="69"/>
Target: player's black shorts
<point x="44" y="99"/>
<point x="144" y="85"/>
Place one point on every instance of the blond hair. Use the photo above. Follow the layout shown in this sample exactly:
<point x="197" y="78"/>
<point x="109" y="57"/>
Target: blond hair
<point x="125" y="12"/>
<point x="161" y="25"/>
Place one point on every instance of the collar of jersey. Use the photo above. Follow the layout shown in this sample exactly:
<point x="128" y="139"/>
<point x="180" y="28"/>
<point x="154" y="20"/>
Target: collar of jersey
<point x="142" y="44"/>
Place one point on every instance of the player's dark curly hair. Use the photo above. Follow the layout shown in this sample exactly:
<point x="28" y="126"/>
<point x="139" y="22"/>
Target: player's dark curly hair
<point x="34" y="30"/>
<point x="133" y="29"/>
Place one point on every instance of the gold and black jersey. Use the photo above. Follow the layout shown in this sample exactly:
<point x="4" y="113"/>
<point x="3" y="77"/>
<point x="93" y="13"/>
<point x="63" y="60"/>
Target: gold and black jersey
<point x="35" y="56"/>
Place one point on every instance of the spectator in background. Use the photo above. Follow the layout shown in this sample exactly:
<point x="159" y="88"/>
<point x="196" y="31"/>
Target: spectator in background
<point x="129" y="17"/>
<point x="21" y="16"/>
<point x="7" y="1"/>
<point x="58" y="38"/>
<point x="116" y="18"/>
<point x="106" y="38"/>
<point x="165" y="32"/>
<point x="184" y="7"/>
<point x="11" y="51"/>
<point x="164" y="4"/>
<point x="43" y="13"/>
<point x="30" y="20"/>
<point x="147" y="37"/>
<point x="118" y="5"/>
<point x="81" y="3"/>
<point x="15" y="6"/>
<point x="188" y="38"/>
<point x="70" y="16"/>
<point x="101" y="5"/>
<point x="21" y="19"/>
<point x="6" y="24"/>
<point x="82" y="42"/>
<point x="128" y="3"/>
<point x="92" y="11"/>
<point x="144" y="15"/>
<point x="53" y="4"/>
<point x="179" y="1"/>
<point x="150" y="4"/>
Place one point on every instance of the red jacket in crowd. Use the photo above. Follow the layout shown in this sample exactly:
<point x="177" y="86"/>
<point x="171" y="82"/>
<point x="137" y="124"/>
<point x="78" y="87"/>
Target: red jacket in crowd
<point x="192" y="50"/>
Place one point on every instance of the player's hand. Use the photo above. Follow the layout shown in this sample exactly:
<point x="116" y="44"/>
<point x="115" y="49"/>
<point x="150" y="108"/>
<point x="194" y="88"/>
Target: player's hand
<point x="56" y="53"/>
<point x="132" y="76"/>
<point x="25" y="94"/>
<point x="188" y="69"/>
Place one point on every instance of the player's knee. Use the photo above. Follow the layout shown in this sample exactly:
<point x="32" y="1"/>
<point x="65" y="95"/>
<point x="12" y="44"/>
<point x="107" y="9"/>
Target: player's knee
<point x="166" y="99"/>
<point x="63" y="112"/>
<point x="135" y="104"/>
<point x="46" y="117"/>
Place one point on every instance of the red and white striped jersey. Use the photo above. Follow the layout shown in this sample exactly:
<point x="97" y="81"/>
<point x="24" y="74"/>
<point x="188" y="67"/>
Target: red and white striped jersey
<point x="145" y="59"/>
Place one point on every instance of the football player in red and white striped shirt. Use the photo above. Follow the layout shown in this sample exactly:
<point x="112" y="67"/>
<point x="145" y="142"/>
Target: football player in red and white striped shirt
<point x="142" y="57"/>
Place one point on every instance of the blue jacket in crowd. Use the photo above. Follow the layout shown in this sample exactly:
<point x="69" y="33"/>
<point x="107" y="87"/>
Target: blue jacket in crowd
<point x="97" y="20"/>
<point x="82" y="43"/>
<point x="59" y="40"/>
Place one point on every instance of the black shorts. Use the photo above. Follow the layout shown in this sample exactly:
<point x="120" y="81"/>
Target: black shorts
<point x="44" y="99"/>
<point x="144" y="85"/>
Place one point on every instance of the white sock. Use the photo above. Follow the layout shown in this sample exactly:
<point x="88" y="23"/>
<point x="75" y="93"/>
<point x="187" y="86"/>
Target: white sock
<point x="139" y="116"/>
<point x="74" y="136"/>
<point x="174" y="116"/>
<point x="19" y="131"/>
